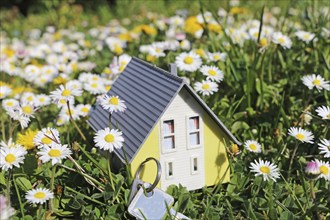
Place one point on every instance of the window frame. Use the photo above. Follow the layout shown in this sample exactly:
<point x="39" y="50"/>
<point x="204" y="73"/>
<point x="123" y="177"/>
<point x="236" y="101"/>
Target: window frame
<point x="192" y="164"/>
<point x="167" y="169"/>
<point x="162" y="136"/>
<point x="200" y="131"/>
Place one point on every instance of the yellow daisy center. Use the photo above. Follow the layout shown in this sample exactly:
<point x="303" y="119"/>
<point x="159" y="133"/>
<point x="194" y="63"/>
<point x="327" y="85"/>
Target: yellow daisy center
<point x="66" y="92"/>
<point x="328" y="116"/>
<point x="62" y="101"/>
<point x="216" y="57"/>
<point x="54" y="153"/>
<point x="114" y="101"/>
<point x="316" y="82"/>
<point x="109" y="138"/>
<point x="46" y="140"/>
<point x="10" y="158"/>
<point x="94" y="85"/>
<point x="42" y="99"/>
<point x="30" y="98"/>
<point x="206" y="86"/>
<point x="281" y="40"/>
<point x="265" y="169"/>
<point x="40" y="195"/>
<point x="324" y="170"/>
<point x="253" y="147"/>
<point x="300" y="137"/>
<point x="329" y="147"/>
<point x="85" y="110"/>
<point x="121" y="68"/>
<point x="306" y="36"/>
<point x="188" y="60"/>
<point x="10" y="104"/>
<point x="27" y="109"/>
<point x="212" y="72"/>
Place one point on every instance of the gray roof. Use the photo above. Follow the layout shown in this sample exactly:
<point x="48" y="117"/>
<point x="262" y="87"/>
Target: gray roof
<point x="147" y="91"/>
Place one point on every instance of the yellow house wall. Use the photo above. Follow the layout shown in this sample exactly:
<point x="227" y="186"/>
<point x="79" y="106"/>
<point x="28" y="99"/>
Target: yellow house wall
<point x="150" y="148"/>
<point x="216" y="160"/>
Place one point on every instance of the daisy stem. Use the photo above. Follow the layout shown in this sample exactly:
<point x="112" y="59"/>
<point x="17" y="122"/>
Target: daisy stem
<point x="75" y="124"/>
<point x="3" y="130"/>
<point x="19" y="197"/>
<point x="52" y="178"/>
<point x="293" y="193"/>
<point x="311" y="185"/>
<point x="292" y="157"/>
<point x="8" y="186"/>
<point x="109" y="170"/>
<point x="110" y="121"/>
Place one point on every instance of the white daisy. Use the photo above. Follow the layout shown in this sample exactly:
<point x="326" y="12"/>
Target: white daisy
<point x="47" y="136"/>
<point x="305" y="36"/>
<point x="206" y="87"/>
<point x="65" y="113"/>
<point x="324" y="147"/>
<point x="28" y="97"/>
<point x="9" y="104"/>
<point x="324" y="169"/>
<point x="54" y="152"/>
<point x="18" y="115"/>
<point x="189" y="62"/>
<point x="10" y="157"/>
<point x="112" y="104"/>
<point x="95" y="87"/>
<point x="217" y="56"/>
<point x="9" y="144"/>
<point x="301" y="135"/>
<point x="39" y="196"/>
<point x="4" y="91"/>
<point x="284" y="41"/>
<point x="212" y="73"/>
<point x="265" y="168"/>
<point x="42" y="100"/>
<point x="28" y="109"/>
<point x="317" y="81"/>
<point x="252" y="146"/>
<point x="83" y="110"/>
<point x="66" y="93"/>
<point x="108" y="139"/>
<point x="323" y="112"/>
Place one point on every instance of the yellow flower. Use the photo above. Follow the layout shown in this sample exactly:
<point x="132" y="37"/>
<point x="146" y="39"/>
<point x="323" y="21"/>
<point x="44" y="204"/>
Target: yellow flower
<point x="59" y="80"/>
<point x="26" y="139"/>
<point x="237" y="10"/>
<point x="216" y="28"/>
<point x="192" y="25"/>
<point x="8" y="52"/>
<point x="20" y="89"/>
<point x="126" y="37"/>
<point x="149" y="30"/>
<point x="150" y="58"/>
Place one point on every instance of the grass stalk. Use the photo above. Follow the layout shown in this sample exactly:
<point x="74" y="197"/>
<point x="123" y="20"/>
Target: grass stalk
<point x="52" y="181"/>
<point x="84" y="196"/>
<point x="19" y="197"/>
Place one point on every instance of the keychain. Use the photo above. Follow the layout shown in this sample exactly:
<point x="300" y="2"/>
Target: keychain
<point x="148" y="202"/>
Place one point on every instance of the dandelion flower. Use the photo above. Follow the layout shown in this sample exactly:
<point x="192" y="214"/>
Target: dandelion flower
<point x="324" y="168"/>
<point x="26" y="139"/>
<point x="284" y="41"/>
<point x="55" y="153"/>
<point x="324" y="147"/>
<point x="39" y="196"/>
<point x="265" y="168"/>
<point x="189" y="62"/>
<point x="252" y="146"/>
<point x="206" y="87"/>
<point x="301" y="135"/>
<point x="317" y="81"/>
<point x="112" y="104"/>
<point x="212" y="73"/>
<point x="305" y="36"/>
<point x="109" y="139"/>
<point x="323" y="112"/>
<point x="10" y="157"/>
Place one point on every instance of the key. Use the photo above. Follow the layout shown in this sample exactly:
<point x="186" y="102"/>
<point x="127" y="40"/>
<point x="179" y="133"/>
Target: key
<point x="150" y="206"/>
<point x="137" y="183"/>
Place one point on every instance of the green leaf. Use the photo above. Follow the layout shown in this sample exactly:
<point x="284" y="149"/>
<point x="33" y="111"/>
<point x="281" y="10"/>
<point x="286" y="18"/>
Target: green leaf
<point x="30" y="164"/>
<point x="23" y="183"/>
<point x="286" y="215"/>
<point x="2" y="178"/>
<point x="238" y="125"/>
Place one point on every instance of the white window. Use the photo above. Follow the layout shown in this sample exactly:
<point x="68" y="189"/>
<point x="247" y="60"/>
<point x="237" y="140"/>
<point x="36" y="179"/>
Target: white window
<point x="169" y="170"/>
<point x="168" y="140"/>
<point x="194" y="131"/>
<point x="194" y="161"/>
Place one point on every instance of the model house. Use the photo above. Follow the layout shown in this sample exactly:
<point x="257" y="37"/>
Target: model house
<point x="167" y="120"/>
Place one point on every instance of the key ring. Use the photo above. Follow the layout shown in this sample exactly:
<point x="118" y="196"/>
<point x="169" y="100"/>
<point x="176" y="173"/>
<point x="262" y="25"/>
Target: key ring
<point x="159" y="173"/>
